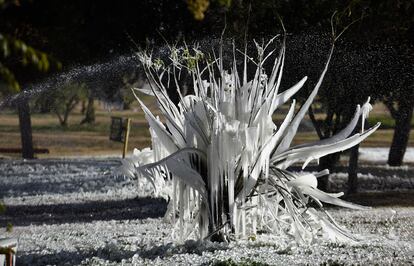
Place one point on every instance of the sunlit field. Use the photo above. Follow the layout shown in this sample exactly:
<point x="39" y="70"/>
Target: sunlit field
<point x="93" y="139"/>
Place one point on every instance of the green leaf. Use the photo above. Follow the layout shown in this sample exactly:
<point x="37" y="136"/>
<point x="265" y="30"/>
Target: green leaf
<point x="2" y="207"/>
<point x="9" y="78"/>
<point x="9" y="227"/>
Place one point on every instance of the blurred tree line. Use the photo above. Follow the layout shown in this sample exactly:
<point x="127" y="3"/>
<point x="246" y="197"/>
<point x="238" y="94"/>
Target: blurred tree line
<point x="16" y="54"/>
<point x="374" y="57"/>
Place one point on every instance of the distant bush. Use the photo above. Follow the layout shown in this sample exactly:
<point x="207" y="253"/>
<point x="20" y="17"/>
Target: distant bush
<point x="387" y="122"/>
<point x="63" y="100"/>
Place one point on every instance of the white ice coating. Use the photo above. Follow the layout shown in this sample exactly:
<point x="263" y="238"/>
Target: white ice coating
<point x="226" y="157"/>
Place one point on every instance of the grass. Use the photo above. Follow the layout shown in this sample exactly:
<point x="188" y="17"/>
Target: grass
<point x="76" y="139"/>
<point x="387" y="122"/>
<point x="380" y="138"/>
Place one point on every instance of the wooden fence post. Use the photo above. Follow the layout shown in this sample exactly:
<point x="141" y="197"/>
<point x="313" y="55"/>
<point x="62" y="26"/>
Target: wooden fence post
<point x="128" y="122"/>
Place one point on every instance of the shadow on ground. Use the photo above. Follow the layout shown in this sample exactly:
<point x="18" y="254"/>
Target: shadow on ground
<point x="73" y="258"/>
<point x="138" y="208"/>
<point x="388" y="199"/>
<point x="113" y="253"/>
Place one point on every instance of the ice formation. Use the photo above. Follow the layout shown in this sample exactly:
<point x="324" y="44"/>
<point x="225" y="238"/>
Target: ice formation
<point x="225" y="156"/>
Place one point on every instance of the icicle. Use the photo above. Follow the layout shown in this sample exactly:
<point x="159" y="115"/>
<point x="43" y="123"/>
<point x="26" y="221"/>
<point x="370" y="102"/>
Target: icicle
<point x="366" y="108"/>
<point x="225" y="155"/>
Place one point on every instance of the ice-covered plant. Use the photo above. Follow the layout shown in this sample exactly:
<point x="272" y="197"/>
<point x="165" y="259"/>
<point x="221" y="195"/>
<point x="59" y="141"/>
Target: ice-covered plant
<point x="226" y="157"/>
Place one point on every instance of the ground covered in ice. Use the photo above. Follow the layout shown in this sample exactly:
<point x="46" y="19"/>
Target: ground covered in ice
<point x="81" y="212"/>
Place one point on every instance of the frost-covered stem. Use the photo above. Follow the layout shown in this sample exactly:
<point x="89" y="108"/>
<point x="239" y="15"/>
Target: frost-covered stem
<point x="226" y="156"/>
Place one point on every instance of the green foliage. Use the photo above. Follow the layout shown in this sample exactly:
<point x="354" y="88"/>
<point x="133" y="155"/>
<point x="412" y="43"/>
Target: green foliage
<point x="387" y="122"/>
<point x="10" y="80"/>
<point x="9" y="227"/>
<point x="226" y="3"/>
<point x="2" y="207"/>
<point x="199" y="7"/>
<point x="67" y="93"/>
<point x="11" y="47"/>
<point x="27" y="54"/>
<point x="192" y="59"/>
<point x="131" y="81"/>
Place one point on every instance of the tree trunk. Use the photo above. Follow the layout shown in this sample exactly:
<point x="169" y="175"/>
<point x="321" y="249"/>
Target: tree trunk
<point x="327" y="162"/>
<point x="353" y="170"/>
<point x="64" y="121"/>
<point x="90" y="112"/>
<point x="69" y="108"/>
<point x="401" y="133"/>
<point x="25" y="130"/>
<point x="83" y="109"/>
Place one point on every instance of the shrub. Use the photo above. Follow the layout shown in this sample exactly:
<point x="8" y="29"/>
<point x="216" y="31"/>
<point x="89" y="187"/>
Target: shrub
<point x="227" y="159"/>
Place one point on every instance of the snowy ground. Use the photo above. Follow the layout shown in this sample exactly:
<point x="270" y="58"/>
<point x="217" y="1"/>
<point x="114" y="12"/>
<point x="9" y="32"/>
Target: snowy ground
<point x="380" y="154"/>
<point x="79" y="211"/>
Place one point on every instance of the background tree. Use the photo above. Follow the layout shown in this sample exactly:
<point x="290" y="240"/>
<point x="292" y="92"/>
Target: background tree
<point x="395" y="69"/>
<point x="101" y="31"/>
<point x="398" y="96"/>
<point x="131" y="80"/>
<point x="89" y="109"/>
<point x="14" y="52"/>
<point x="63" y="100"/>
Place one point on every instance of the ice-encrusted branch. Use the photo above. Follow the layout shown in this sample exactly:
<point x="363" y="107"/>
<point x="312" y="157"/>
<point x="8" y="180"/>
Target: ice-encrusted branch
<point x="225" y="156"/>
